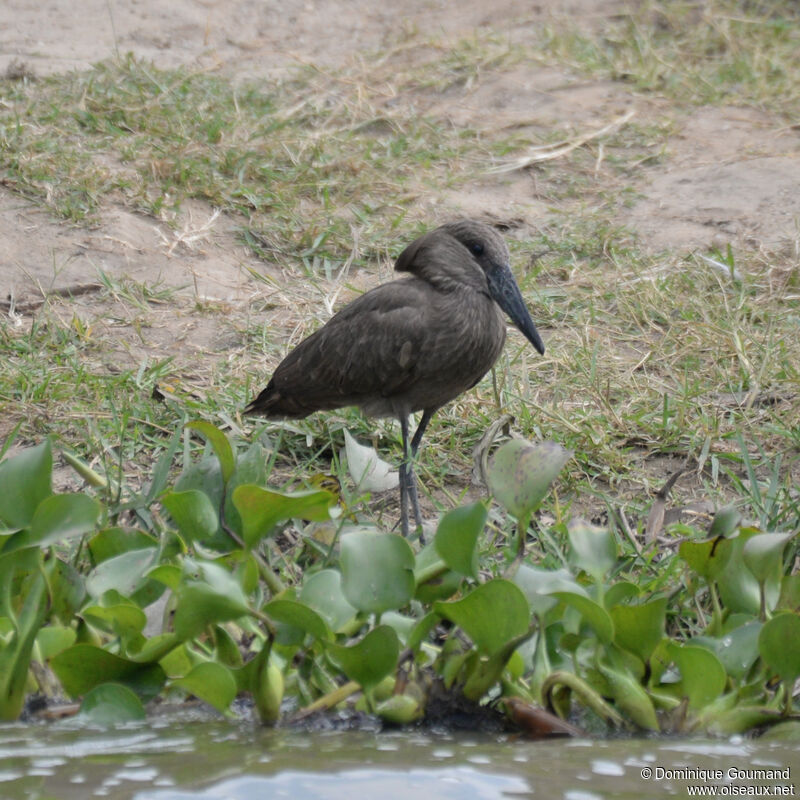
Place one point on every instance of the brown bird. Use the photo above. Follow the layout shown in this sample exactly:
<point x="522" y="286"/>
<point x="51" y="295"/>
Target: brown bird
<point x="409" y="345"/>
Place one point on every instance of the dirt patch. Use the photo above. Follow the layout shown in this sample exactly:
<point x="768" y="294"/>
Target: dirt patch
<point x="731" y="177"/>
<point x="532" y="95"/>
<point x="199" y="255"/>
<point x="249" y="37"/>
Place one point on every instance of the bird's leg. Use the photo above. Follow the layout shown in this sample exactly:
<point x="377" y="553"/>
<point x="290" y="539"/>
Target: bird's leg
<point x="403" y="476"/>
<point x="411" y="481"/>
<point x="421" y="428"/>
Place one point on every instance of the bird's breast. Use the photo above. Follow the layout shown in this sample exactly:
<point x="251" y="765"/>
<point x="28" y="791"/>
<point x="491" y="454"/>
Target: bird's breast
<point x="456" y="352"/>
<point x="479" y="339"/>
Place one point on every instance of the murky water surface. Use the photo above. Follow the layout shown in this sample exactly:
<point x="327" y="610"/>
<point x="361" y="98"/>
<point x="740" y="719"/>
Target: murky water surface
<point x="179" y="759"/>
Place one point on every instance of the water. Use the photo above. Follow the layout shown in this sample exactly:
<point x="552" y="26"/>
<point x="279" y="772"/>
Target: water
<point x="193" y="760"/>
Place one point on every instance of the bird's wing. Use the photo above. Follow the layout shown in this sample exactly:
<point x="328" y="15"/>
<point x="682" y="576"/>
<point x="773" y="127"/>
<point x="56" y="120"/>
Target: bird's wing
<point x="370" y="349"/>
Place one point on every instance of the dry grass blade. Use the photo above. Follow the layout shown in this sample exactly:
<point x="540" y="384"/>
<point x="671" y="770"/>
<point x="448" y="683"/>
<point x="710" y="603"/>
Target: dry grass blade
<point x="190" y="235"/>
<point x="549" y="152"/>
<point x="730" y="271"/>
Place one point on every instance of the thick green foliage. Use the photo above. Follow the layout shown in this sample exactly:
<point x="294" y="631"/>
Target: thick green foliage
<point x="695" y="649"/>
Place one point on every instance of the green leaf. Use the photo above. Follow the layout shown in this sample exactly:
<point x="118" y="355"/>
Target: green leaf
<point x="26" y="482"/>
<point x="491" y="615"/>
<point x="538" y="586"/>
<point x="208" y="594"/>
<point x="83" y="666"/>
<point x="484" y="673"/>
<point x="110" y="704"/>
<point x="125" y="620"/>
<point x="89" y="475"/>
<point x="199" y="606"/>
<point x="210" y="682"/>
<point x="227" y="649"/>
<point x="251" y="466"/>
<point x="763" y="555"/>
<point x="53" y="639"/>
<point x="262" y="509"/>
<point x="630" y="697"/>
<point x="779" y="645"/>
<point x="520" y="474"/>
<point x="194" y="514"/>
<point x="740" y="720"/>
<point x="403" y="625"/>
<point x="434" y="580"/>
<point x="639" y="628"/>
<point x="789" y="599"/>
<point x="298" y="615"/>
<point x="703" y="677"/>
<point x="112" y="542"/>
<point x="63" y="516"/>
<point x="159" y="648"/>
<point x="725" y="522"/>
<point x="737" y="650"/>
<point x="738" y="587"/>
<point x="170" y="575"/>
<point x="707" y="558"/>
<point x="220" y="444"/>
<point x="369" y="661"/>
<point x="377" y="570"/>
<point x="421" y="630"/>
<point x="620" y="592"/>
<point x="67" y="590"/>
<point x="205" y="475"/>
<point x="457" y="538"/>
<point x="323" y="592"/>
<point x="439" y="587"/>
<point x="20" y="569"/>
<point x="593" y="613"/>
<point x="594" y="550"/>
<point x="124" y="573"/>
<point x="369" y="473"/>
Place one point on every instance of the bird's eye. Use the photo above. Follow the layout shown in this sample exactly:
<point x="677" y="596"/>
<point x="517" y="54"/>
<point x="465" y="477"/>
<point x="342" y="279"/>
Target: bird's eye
<point x="476" y="248"/>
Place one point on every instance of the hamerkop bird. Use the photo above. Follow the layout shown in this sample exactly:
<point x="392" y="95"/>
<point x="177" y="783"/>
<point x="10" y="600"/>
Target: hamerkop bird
<point x="410" y="345"/>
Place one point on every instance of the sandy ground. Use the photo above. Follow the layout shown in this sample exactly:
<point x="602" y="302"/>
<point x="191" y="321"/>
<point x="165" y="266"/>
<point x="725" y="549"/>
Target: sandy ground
<point x="727" y="174"/>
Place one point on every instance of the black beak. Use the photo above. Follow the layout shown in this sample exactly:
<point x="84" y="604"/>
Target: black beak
<point x="505" y="292"/>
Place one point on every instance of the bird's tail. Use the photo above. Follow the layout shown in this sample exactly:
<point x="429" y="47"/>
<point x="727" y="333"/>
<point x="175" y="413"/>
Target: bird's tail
<point x="265" y="402"/>
<point x="271" y="403"/>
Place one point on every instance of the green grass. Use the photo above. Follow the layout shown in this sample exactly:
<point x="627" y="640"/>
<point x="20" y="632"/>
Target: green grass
<point x="723" y="51"/>
<point x="650" y="358"/>
<point x="299" y="161"/>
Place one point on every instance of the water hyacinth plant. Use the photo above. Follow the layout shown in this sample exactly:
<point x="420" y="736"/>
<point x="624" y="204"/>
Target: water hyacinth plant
<point x="597" y="632"/>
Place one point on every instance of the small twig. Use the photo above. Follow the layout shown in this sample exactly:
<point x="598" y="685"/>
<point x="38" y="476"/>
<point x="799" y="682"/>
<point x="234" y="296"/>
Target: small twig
<point x="549" y="152"/>
<point x="480" y="453"/>
<point x="655" y="519"/>
<point x="66" y="291"/>
<point x="625" y="525"/>
<point x="189" y="236"/>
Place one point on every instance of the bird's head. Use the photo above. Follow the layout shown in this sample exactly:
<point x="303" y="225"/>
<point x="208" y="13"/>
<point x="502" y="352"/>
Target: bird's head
<point x="470" y="252"/>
